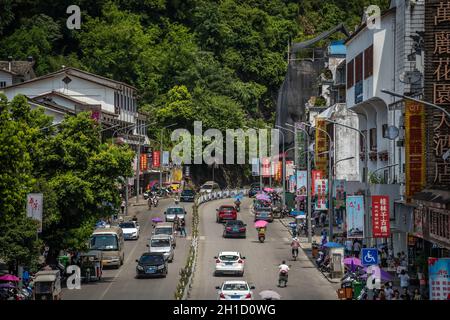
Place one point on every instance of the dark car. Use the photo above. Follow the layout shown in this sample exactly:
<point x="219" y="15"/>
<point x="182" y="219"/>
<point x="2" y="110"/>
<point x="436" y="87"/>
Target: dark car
<point x="151" y="264"/>
<point x="226" y="212"/>
<point x="263" y="213"/>
<point x="187" y="196"/>
<point x="254" y="189"/>
<point x="234" y="228"/>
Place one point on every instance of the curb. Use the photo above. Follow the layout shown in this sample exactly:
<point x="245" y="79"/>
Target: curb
<point x="306" y="251"/>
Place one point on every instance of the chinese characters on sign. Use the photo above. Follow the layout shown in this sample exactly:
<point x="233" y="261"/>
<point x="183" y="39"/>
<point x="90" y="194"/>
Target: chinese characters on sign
<point x="321" y="191"/>
<point x="255" y="167"/>
<point x="156" y="159"/>
<point x="34" y="207"/>
<point x="321" y="146"/>
<point x="302" y="182"/>
<point x="143" y="162"/>
<point x="439" y="280"/>
<point x="414" y="147"/>
<point x="315" y="175"/>
<point x="289" y="169"/>
<point x="380" y="217"/>
<point x="355" y="216"/>
<point x="339" y="193"/>
<point x="266" y="167"/>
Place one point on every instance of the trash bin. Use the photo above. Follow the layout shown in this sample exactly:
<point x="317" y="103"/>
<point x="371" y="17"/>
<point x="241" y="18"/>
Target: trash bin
<point x="357" y="288"/>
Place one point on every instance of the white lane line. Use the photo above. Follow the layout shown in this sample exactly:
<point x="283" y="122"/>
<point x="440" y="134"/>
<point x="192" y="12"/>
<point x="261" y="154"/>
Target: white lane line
<point x="123" y="266"/>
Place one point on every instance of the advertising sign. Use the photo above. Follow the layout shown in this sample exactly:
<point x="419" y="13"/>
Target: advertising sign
<point x="322" y="192"/>
<point x="302" y="182"/>
<point x="289" y="169"/>
<point x="315" y="175"/>
<point x="292" y="184"/>
<point x="156" y="159"/>
<point x="438" y="272"/>
<point x="278" y="169"/>
<point x="255" y="167"/>
<point x="380" y="217"/>
<point x="165" y="158"/>
<point x="321" y="145"/>
<point x="355" y="216"/>
<point x="143" y="162"/>
<point x="34" y="207"/>
<point x="266" y="167"/>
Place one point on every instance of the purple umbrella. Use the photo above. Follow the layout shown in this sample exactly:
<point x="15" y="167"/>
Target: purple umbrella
<point x="352" y="260"/>
<point x="7" y="285"/>
<point x="9" y="277"/>
<point x="385" y="276"/>
<point x="262" y="197"/>
<point x="157" y="219"/>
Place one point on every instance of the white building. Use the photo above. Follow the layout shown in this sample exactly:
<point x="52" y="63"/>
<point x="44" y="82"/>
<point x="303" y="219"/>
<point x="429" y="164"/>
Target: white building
<point x="13" y="72"/>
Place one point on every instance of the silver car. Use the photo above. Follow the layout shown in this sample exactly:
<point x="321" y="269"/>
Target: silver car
<point x="173" y="212"/>
<point x="162" y="244"/>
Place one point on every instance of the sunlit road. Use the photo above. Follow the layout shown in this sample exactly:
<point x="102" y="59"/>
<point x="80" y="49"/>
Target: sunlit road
<point x="121" y="283"/>
<point x="262" y="259"/>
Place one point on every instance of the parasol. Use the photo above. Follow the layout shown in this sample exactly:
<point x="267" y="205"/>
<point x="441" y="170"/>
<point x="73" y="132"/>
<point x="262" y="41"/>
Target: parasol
<point x="261" y="224"/>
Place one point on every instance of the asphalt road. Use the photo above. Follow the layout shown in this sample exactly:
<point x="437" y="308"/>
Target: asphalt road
<point x="262" y="259"/>
<point x="121" y="284"/>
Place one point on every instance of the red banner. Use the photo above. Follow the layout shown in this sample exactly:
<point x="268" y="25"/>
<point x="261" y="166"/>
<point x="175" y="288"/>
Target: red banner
<point x="144" y="162"/>
<point x="380" y="217"/>
<point x="156" y="159"/>
<point x="315" y="175"/>
<point x="278" y="169"/>
<point x="266" y="167"/>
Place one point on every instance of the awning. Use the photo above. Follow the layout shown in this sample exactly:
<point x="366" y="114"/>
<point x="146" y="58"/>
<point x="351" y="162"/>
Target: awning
<point x="436" y="196"/>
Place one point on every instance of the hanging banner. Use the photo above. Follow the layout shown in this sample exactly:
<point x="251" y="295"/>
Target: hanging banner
<point x="156" y="159"/>
<point x="255" y="167"/>
<point x="301" y="139"/>
<point x="339" y="193"/>
<point x="380" y="217"/>
<point x="292" y="184"/>
<point x="315" y="175"/>
<point x="143" y="162"/>
<point x="35" y="202"/>
<point x="321" y="146"/>
<point x="321" y="186"/>
<point x="438" y="273"/>
<point x="355" y="216"/>
<point x="290" y="171"/>
<point x="266" y="166"/>
<point x="278" y="168"/>
<point x="165" y="158"/>
<point x="302" y="182"/>
<point x="414" y="148"/>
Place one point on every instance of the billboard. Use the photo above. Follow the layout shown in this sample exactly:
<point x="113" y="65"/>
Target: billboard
<point x="438" y="272"/>
<point x="35" y="203"/>
<point x="315" y="175"/>
<point x="302" y="182"/>
<point x="355" y="216"/>
<point x="321" y="186"/>
<point x="321" y="146"/>
<point x="156" y="159"/>
<point x="380" y="217"/>
<point x="165" y="158"/>
<point x="255" y="167"/>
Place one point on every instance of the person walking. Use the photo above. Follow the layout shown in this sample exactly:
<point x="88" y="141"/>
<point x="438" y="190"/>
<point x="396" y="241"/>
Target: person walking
<point x="396" y="295"/>
<point x="404" y="280"/>
<point x="182" y="227"/>
<point x="417" y="295"/>
<point x="405" y="295"/>
<point x="122" y="207"/>
<point x="356" y="248"/>
<point x="388" y="291"/>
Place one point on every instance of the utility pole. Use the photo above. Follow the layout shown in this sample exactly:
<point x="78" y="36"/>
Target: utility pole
<point x="330" y="190"/>
<point x="138" y="169"/>
<point x="308" y="188"/>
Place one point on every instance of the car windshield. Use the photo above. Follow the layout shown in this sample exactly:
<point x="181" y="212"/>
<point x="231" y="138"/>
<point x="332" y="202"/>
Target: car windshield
<point x="160" y="243"/>
<point x="127" y="225"/>
<point x="175" y="211"/>
<point x="235" y="286"/>
<point x="226" y="208"/>
<point x="151" y="259"/>
<point x="228" y="257"/>
<point x="188" y="192"/>
<point x="105" y="242"/>
<point x="207" y="186"/>
<point x="167" y="230"/>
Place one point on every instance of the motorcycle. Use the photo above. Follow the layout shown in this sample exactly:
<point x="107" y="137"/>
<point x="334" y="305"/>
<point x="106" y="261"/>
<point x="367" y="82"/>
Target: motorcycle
<point x="295" y="255"/>
<point x="155" y="201"/>
<point x="237" y="205"/>
<point x="282" y="279"/>
<point x="261" y="237"/>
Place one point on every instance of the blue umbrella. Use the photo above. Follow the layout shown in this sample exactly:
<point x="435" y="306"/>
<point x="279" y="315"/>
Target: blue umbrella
<point x="332" y="245"/>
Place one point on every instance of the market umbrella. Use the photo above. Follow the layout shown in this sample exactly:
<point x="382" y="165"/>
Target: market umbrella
<point x="332" y="245"/>
<point x="352" y="260"/>
<point x="157" y="219"/>
<point x="269" y="190"/>
<point x="263" y="197"/>
<point x="9" y="277"/>
<point x="261" y="224"/>
<point x="270" y="295"/>
<point x="385" y="276"/>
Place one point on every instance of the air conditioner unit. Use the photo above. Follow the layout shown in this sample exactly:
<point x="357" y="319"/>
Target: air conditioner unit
<point x="400" y="143"/>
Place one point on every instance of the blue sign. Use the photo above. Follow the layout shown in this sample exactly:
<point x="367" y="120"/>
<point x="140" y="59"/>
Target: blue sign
<point x="369" y="256"/>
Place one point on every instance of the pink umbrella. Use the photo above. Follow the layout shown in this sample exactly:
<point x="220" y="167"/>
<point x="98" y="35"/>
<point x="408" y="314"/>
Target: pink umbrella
<point x="9" y="277"/>
<point x="263" y="197"/>
<point x="353" y="260"/>
<point x="269" y="190"/>
<point x="260" y="224"/>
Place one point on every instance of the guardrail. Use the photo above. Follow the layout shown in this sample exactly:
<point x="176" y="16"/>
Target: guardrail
<point x="187" y="273"/>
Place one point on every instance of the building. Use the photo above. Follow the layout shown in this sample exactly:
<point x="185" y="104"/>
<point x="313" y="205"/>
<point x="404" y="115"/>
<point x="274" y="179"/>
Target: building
<point x="13" y="72"/>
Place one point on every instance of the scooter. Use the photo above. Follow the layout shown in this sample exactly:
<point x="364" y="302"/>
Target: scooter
<point x="261" y="237"/>
<point x="237" y="205"/>
<point x="155" y="201"/>
<point x="282" y="279"/>
<point x="295" y="255"/>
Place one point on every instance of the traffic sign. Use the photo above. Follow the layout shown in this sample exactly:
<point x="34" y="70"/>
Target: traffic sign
<point x="369" y="256"/>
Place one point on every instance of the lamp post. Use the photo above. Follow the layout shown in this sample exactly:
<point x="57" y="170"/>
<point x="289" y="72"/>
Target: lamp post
<point x="283" y="171"/>
<point x="161" y="152"/>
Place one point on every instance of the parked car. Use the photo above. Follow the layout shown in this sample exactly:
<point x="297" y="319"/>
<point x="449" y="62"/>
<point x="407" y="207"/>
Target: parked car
<point x="163" y="244"/>
<point x="151" y="264"/>
<point x="165" y="229"/>
<point x="187" y="195"/>
<point x="229" y="262"/>
<point x="209" y="186"/>
<point x="235" y="290"/>
<point x="130" y="230"/>
<point x="264" y="214"/>
<point x="234" y="229"/>
<point x="174" y="211"/>
<point x="226" y="212"/>
<point x="254" y="189"/>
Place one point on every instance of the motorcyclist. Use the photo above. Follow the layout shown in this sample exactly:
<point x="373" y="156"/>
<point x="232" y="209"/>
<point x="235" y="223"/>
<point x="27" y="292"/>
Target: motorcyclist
<point x="237" y="204"/>
<point x="261" y="232"/>
<point x="283" y="270"/>
<point x="295" y="244"/>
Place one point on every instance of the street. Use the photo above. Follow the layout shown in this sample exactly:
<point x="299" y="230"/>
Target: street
<point x="120" y="284"/>
<point x="262" y="259"/>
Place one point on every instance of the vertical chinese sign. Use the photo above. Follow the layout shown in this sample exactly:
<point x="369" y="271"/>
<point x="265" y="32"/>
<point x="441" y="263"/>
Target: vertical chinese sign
<point x="255" y="167"/>
<point x="437" y="91"/>
<point x="290" y="171"/>
<point x="414" y="147"/>
<point x="156" y="159"/>
<point x="278" y="169"/>
<point x="339" y="193"/>
<point x="321" y="191"/>
<point x="266" y="167"/>
<point x="165" y="158"/>
<point x="35" y="203"/>
<point x="380" y="217"/>
<point x="143" y="162"/>
<point x="355" y="216"/>
<point x="438" y="272"/>
<point x="302" y="182"/>
<point x="315" y="175"/>
<point x="321" y="146"/>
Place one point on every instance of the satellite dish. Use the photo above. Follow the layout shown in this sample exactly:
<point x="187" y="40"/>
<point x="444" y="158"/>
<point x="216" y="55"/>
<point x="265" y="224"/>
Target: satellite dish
<point x="392" y="132"/>
<point x="410" y="77"/>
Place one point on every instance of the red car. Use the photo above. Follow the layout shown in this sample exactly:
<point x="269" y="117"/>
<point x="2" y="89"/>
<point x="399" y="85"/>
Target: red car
<point x="227" y="212"/>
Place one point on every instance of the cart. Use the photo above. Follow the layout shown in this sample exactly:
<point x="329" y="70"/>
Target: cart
<point x="91" y="266"/>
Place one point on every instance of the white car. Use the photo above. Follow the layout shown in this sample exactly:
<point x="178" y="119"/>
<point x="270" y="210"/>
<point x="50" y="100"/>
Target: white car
<point x="174" y="211"/>
<point x="130" y="230"/>
<point x="209" y="186"/>
<point x="235" y="290"/>
<point x="229" y="262"/>
<point x="162" y="243"/>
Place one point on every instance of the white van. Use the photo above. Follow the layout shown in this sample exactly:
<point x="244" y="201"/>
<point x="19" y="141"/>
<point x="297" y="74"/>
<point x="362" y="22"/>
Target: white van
<point x="111" y="242"/>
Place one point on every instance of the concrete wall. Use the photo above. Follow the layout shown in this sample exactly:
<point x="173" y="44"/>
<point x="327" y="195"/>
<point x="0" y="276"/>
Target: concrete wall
<point x="7" y="77"/>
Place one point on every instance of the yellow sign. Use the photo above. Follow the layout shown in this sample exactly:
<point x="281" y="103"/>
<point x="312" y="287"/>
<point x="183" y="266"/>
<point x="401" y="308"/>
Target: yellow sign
<point x="415" y="142"/>
<point x="321" y="146"/>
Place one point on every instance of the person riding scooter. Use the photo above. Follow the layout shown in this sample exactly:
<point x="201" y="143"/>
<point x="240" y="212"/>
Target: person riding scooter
<point x="283" y="270"/>
<point x="295" y="244"/>
<point x="237" y="204"/>
<point x="261" y="234"/>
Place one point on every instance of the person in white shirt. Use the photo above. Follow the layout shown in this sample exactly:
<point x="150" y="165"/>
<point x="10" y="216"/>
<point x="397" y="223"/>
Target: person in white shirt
<point x="388" y="291"/>
<point x="283" y="267"/>
<point x="349" y="246"/>
<point x="404" y="279"/>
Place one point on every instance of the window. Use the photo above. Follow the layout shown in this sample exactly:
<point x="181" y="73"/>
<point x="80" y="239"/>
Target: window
<point x="385" y="130"/>
<point x="361" y="141"/>
<point x="373" y="139"/>
<point x="368" y="62"/>
<point x="358" y="68"/>
<point x="350" y="74"/>
<point x="2" y="84"/>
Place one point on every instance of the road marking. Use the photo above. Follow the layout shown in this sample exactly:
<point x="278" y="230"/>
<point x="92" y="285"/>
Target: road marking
<point x="123" y="266"/>
<point x="202" y="237"/>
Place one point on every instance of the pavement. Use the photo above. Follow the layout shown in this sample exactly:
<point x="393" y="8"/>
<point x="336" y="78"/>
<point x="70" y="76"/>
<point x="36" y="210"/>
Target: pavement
<point x="120" y="284"/>
<point x="262" y="259"/>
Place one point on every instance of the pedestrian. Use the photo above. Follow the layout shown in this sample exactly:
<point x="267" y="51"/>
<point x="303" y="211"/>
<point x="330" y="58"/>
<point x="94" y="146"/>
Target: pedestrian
<point x="182" y="227"/>
<point x="388" y="291"/>
<point x="417" y="295"/>
<point x="25" y="277"/>
<point x="316" y="218"/>
<point x="422" y="282"/>
<point x="324" y="237"/>
<point x="176" y="223"/>
<point x="356" y="248"/>
<point x="383" y="257"/>
<point x="404" y="280"/>
<point x="122" y="206"/>
<point x="323" y="219"/>
<point x="381" y="295"/>
<point x="349" y="247"/>
<point x="396" y="295"/>
<point x="405" y="295"/>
